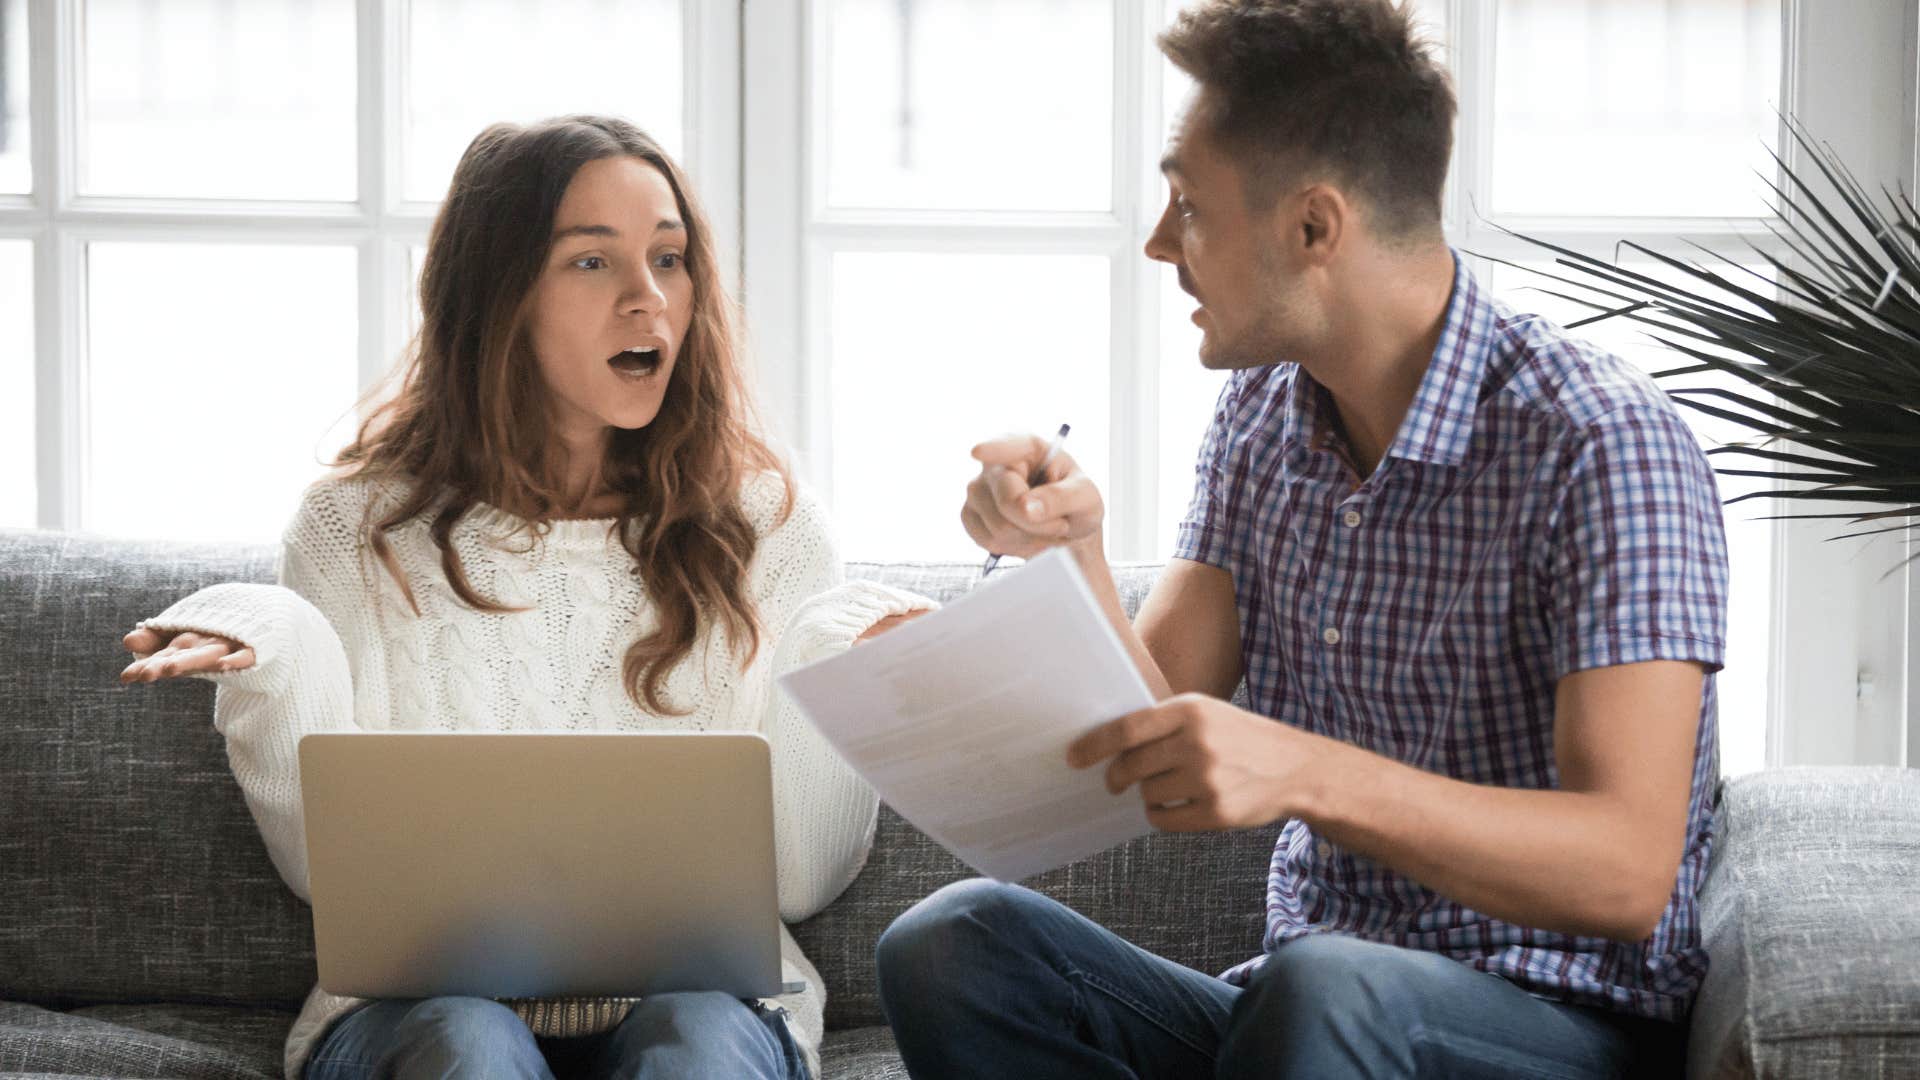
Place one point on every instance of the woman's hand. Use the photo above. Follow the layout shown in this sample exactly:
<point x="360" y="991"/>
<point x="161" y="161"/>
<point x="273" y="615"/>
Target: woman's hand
<point x="187" y="654"/>
<point x="889" y="623"/>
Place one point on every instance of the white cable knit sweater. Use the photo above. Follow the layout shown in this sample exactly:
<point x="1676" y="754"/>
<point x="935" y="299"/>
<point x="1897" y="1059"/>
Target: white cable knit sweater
<point x="337" y="648"/>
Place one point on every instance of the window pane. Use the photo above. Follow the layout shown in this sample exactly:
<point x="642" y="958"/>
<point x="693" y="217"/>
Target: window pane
<point x="969" y="104"/>
<point x="416" y="262"/>
<point x="471" y="63"/>
<point x="1431" y="16"/>
<point x="1650" y="107"/>
<point x="1743" y="685"/>
<point x="219" y="377"/>
<point x="217" y="99"/>
<point x="17" y="479"/>
<point x="1188" y="393"/>
<point x="919" y="377"/>
<point x="16" y="144"/>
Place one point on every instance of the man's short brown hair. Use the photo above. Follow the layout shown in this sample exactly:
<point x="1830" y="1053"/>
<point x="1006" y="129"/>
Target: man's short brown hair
<point x="1343" y="90"/>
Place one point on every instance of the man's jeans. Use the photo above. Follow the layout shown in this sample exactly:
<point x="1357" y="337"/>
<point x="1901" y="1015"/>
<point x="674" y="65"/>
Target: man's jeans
<point x="682" y="1036"/>
<point x="985" y="979"/>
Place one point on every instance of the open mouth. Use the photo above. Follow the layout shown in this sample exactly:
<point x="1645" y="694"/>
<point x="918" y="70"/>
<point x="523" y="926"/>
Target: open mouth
<point x="637" y="362"/>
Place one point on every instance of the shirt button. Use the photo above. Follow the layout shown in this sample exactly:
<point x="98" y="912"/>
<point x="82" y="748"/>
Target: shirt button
<point x="1352" y="518"/>
<point x="1330" y="636"/>
<point x="1324" y="850"/>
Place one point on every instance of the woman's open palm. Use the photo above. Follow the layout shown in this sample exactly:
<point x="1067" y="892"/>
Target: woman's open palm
<point x="188" y="653"/>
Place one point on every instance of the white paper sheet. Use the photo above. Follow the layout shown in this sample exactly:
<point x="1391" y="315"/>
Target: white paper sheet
<point x="961" y="720"/>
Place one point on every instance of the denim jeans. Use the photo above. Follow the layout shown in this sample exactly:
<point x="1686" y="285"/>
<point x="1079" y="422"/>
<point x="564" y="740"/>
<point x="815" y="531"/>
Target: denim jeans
<point x="680" y="1036"/>
<point x="986" y="979"/>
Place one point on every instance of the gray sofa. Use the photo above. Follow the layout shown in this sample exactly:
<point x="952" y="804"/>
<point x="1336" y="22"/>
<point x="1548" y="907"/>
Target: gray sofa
<point x="143" y="931"/>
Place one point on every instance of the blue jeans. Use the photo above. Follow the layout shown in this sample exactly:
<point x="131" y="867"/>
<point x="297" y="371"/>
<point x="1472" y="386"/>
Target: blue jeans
<point x="670" y="1035"/>
<point x="986" y="979"/>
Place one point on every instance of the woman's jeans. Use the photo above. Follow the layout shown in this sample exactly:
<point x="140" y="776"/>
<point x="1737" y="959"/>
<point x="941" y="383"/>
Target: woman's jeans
<point x="984" y="979"/>
<point x="689" y="1036"/>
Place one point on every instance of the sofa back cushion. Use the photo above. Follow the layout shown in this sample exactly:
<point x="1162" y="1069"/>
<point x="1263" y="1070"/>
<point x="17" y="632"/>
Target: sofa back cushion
<point x="130" y="868"/>
<point x="1194" y="898"/>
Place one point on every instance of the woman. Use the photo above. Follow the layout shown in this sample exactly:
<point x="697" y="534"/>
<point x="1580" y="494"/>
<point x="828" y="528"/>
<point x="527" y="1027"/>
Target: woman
<point x="563" y="519"/>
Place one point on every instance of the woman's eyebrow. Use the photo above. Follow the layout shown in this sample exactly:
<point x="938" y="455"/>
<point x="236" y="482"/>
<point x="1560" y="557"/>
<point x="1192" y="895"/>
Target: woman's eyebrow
<point x="584" y="230"/>
<point x="666" y="225"/>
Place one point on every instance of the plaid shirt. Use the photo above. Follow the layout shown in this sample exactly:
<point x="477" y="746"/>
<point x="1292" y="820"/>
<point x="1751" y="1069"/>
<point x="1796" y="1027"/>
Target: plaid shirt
<point x="1543" y="509"/>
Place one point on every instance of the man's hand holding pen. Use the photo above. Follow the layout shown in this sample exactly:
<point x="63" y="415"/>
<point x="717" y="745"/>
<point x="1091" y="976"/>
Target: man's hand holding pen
<point x="1007" y="515"/>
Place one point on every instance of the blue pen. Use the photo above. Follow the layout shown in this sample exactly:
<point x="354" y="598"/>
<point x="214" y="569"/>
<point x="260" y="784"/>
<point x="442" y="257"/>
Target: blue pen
<point x="1034" y="480"/>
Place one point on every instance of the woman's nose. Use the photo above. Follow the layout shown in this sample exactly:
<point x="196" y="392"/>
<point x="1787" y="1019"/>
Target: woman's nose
<point x="643" y="294"/>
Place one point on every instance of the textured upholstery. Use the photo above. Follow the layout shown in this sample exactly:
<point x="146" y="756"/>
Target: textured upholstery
<point x="130" y="868"/>
<point x="1811" y="915"/>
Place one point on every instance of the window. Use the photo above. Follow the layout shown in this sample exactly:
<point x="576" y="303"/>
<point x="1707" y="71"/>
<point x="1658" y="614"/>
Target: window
<point x="210" y="230"/>
<point x="938" y="272"/>
<point x="17" y="489"/>
<point x="16" y="124"/>
<point x="938" y="206"/>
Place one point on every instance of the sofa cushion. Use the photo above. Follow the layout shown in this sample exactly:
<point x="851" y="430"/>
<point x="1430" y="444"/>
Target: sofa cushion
<point x="214" y="1042"/>
<point x="1811" y="915"/>
<point x="130" y="868"/>
<point x="864" y="1053"/>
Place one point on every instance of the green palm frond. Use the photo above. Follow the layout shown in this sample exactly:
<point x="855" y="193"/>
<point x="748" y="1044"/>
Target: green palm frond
<point x="1825" y="357"/>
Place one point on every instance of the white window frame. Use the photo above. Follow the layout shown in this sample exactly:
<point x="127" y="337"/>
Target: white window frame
<point x="380" y="224"/>
<point x="1818" y="587"/>
<point x="793" y="234"/>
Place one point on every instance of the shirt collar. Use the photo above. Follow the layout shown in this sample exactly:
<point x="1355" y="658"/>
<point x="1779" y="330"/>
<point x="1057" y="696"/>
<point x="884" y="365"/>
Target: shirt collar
<point x="1438" y="426"/>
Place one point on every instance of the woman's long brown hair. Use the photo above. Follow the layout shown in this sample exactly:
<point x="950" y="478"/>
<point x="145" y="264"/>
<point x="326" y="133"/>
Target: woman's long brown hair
<point x="470" y="421"/>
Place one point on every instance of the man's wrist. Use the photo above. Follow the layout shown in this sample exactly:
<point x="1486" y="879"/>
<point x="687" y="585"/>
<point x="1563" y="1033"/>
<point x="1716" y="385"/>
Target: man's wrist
<point x="1090" y="551"/>
<point x="1309" y="792"/>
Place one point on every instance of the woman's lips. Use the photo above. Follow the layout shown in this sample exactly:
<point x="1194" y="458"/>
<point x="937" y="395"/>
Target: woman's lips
<point x="635" y="363"/>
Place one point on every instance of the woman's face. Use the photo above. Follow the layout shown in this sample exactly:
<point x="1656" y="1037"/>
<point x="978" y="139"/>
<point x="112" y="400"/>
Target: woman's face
<point x="611" y="308"/>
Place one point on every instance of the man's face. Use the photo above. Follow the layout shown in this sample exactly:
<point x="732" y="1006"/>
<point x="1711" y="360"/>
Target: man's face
<point x="1229" y="256"/>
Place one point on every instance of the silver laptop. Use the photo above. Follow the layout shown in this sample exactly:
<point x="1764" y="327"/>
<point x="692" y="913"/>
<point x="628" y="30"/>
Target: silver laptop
<point x="541" y="865"/>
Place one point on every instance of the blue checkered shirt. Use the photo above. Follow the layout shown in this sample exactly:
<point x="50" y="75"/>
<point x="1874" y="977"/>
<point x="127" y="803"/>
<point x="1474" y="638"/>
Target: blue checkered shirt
<point x="1542" y="510"/>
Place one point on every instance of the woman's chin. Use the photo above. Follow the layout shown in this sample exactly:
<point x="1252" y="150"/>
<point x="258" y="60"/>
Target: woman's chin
<point x="633" y="419"/>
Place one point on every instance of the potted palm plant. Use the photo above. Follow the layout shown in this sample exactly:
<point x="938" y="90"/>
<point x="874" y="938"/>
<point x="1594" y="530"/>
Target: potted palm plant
<point x="1825" y="358"/>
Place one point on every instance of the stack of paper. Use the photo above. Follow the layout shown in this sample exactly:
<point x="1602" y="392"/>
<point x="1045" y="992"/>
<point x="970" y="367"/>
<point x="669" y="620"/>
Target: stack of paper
<point x="961" y="720"/>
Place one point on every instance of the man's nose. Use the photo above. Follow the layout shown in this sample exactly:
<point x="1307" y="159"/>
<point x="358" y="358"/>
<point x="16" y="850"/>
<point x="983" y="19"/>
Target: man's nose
<point x="1162" y="245"/>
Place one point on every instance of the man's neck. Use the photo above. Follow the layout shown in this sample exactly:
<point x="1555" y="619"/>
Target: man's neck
<point x="1379" y="348"/>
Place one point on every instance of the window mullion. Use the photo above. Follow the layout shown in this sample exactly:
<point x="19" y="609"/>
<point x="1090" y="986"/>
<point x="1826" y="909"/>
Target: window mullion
<point x="1134" y="379"/>
<point x="59" y="353"/>
<point x="377" y="64"/>
<point x="773" y="154"/>
<point x="1472" y="29"/>
<point x="712" y="119"/>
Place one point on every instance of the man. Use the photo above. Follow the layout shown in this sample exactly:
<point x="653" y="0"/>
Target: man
<point x="1473" y="575"/>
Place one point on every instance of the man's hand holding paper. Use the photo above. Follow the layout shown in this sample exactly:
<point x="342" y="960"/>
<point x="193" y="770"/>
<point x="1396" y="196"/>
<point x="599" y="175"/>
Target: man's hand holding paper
<point x="1202" y="763"/>
<point x="961" y="720"/>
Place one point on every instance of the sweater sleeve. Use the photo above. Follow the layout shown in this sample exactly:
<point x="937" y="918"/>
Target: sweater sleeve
<point x="823" y="811"/>
<point x="300" y="681"/>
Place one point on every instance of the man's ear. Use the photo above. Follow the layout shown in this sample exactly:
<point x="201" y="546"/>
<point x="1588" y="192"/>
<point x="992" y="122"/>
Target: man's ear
<point x="1325" y="218"/>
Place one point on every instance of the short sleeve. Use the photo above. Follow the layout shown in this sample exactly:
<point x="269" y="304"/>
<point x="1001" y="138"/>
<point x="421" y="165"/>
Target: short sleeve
<point x="1203" y="533"/>
<point x="1638" y="561"/>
